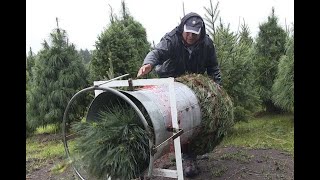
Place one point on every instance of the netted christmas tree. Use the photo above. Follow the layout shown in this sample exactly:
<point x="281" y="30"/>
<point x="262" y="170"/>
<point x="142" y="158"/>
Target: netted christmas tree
<point x="117" y="144"/>
<point x="216" y="111"/>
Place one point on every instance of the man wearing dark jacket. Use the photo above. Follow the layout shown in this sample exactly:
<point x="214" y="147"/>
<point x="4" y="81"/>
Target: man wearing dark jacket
<point x="186" y="49"/>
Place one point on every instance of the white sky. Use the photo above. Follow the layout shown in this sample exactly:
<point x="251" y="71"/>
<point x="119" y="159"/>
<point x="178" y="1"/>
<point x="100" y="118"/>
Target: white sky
<point x="84" y="20"/>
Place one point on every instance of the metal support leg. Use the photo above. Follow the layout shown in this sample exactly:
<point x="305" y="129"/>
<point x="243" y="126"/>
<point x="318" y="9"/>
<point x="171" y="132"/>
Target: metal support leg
<point x="178" y="173"/>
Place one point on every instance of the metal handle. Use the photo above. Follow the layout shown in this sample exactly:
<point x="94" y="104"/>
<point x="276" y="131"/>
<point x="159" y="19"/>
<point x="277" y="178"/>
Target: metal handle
<point x="174" y="136"/>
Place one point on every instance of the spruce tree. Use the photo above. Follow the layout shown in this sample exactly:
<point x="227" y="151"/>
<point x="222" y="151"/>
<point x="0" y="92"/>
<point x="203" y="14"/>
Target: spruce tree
<point x="58" y="74"/>
<point x="283" y="87"/>
<point x="269" y="47"/>
<point x="124" y="44"/>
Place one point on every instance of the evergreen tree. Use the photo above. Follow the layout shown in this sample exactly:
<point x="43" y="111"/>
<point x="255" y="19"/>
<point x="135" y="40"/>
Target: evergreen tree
<point x="58" y="74"/>
<point x="244" y="35"/>
<point x="283" y="88"/>
<point x="30" y="61"/>
<point x="123" y="44"/>
<point x="85" y="55"/>
<point x="269" y="47"/>
<point x="234" y="55"/>
<point x="246" y="92"/>
<point x="211" y="17"/>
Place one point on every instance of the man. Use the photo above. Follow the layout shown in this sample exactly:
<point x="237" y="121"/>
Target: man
<point x="186" y="49"/>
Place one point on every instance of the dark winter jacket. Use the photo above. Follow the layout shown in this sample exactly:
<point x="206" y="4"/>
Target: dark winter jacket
<point x="171" y="58"/>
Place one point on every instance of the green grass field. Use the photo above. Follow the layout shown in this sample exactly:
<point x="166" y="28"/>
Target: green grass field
<point x="272" y="131"/>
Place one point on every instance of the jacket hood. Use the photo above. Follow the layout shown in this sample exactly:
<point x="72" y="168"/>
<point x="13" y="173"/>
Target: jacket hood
<point x="187" y="16"/>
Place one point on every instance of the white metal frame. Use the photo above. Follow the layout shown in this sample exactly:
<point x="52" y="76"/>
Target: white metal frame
<point x="178" y="173"/>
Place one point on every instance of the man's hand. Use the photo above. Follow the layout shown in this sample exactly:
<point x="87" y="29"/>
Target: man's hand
<point x="217" y="84"/>
<point x="145" y="69"/>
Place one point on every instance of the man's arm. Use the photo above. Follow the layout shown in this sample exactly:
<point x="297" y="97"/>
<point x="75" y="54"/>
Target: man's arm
<point x="155" y="57"/>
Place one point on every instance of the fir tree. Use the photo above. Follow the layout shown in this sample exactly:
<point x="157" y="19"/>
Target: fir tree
<point x="236" y="65"/>
<point x="211" y="17"/>
<point x="86" y="56"/>
<point x="124" y="44"/>
<point x="269" y="47"/>
<point x="244" y="35"/>
<point x="234" y="56"/>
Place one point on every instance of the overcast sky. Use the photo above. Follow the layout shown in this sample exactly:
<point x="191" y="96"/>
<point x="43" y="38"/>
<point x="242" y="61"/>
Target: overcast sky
<point x="84" y="20"/>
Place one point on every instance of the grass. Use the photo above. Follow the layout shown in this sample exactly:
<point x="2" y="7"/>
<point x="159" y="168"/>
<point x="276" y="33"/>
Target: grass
<point x="39" y="153"/>
<point x="43" y="150"/>
<point x="271" y="131"/>
<point x="47" y="129"/>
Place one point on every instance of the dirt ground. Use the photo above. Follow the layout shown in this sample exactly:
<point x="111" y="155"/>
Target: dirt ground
<point x="221" y="164"/>
<point x="241" y="163"/>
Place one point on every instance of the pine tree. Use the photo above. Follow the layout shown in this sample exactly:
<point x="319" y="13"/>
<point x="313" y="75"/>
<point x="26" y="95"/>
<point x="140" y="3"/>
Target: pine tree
<point x="30" y="61"/>
<point x="283" y="88"/>
<point x="269" y="47"/>
<point x="124" y="43"/>
<point x="58" y="74"/>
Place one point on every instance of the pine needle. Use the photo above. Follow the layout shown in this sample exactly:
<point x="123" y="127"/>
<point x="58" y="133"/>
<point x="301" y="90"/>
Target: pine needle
<point x="115" y="145"/>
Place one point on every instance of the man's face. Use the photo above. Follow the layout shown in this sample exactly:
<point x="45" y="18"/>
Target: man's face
<point x="190" y="38"/>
